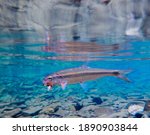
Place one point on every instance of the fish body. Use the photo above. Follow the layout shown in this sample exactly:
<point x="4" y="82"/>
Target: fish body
<point x="80" y="75"/>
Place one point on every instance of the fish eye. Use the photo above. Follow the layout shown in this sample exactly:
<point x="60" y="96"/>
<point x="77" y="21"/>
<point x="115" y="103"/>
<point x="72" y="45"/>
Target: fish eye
<point x="50" y="78"/>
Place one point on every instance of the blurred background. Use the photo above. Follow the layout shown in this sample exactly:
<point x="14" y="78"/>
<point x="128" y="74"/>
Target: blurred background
<point x="77" y="17"/>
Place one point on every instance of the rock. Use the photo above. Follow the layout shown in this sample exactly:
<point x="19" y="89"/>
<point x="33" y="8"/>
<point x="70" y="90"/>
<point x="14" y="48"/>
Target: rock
<point x="2" y="105"/>
<point x="42" y="116"/>
<point x="47" y="110"/>
<point x="18" y="102"/>
<point x="63" y="113"/>
<point x="87" y="111"/>
<point x="12" y="113"/>
<point x="97" y="100"/>
<point x="121" y="114"/>
<point x="87" y="102"/>
<point x="31" y="111"/>
<point x="135" y="109"/>
<point x="78" y="106"/>
<point x="23" y="106"/>
<point x="141" y="103"/>
<point x="138" y="115"/>
<point x="72" y="108"/>
<point x="55" y="116"/>
<point x="103" y="111"/>
<point x="147" y="106"/>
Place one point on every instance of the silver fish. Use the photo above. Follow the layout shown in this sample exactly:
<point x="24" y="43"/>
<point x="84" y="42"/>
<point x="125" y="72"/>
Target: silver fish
<point x="80" y="75"/>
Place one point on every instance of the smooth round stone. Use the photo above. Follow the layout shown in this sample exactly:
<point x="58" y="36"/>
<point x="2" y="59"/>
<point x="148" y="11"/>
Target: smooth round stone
<point x="135" y="109"/>
<point x="141" y="103"/>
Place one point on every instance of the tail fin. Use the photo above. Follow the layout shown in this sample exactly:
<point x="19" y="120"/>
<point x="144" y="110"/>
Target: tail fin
<point x="121" y="75"/>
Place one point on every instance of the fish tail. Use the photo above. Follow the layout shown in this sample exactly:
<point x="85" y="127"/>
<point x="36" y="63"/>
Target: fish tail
<point x="121" y="75"/>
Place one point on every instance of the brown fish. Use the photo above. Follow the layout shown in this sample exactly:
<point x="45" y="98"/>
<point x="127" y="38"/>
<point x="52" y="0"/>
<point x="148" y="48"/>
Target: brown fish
<point x="79" y="75"/>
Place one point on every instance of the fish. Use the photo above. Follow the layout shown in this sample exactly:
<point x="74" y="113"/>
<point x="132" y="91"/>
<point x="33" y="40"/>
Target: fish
<point x="81" y="75"/>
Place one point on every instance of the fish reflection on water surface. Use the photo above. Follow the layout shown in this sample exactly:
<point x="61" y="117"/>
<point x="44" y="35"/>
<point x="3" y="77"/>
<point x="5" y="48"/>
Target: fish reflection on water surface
<point x="84" y="51"/>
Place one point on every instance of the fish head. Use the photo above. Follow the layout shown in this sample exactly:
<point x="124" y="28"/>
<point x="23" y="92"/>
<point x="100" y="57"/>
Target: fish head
<point x="49" y="82"/>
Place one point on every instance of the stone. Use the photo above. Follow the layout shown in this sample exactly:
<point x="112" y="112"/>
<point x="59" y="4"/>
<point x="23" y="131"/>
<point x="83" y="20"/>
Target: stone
<point x="42" y="116"/>
<point x="97" y="100"/>
<point x="12" y="113"/>
<point x="135" y="109"/>
<point x="63" y="113"/>
<point x="121" y="114"/>
<point x="47" y="110"/>
<point x="87" y="111"/>
<point x="31" y="111"/>
<point x="87" y="101"/>
<point x="138" y="115"/>
<point x="134" y="102"/>
<point x="2" y="105"/>
<point x="78" y="106"/>
<point x="18" y="102"/>
<point x="147" y="106"/>
<point x="103" y="111"/>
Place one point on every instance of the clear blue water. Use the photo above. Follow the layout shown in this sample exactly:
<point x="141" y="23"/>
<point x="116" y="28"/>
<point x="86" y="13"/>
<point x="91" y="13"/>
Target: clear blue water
<point x="24" y="64"/>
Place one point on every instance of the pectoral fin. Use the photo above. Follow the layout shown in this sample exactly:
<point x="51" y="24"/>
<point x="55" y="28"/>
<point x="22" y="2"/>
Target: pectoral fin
<point x="63" y="84"/>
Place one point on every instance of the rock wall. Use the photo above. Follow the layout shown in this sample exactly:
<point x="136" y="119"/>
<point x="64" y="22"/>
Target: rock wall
<point x="77" y="17"/>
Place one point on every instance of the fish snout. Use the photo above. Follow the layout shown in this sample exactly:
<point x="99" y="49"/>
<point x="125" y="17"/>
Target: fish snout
<point x="48" y="82"/>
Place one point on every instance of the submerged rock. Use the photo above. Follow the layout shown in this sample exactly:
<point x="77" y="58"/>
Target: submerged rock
<point x="62" y="113"/>
<point x="12" y="113"/>
<point x="138" y="115"/>
<point x="2" y="105"/>
<point x="135" y="109"/>
<point x="47" y="110"/>
<point x="121" y="114"/>
<point x="32" y="111"/>
<point x="97" y="100"/>
<point x="147" y="106"/>
<point x="87" y="111"/>
<point x="103" y="111"/>
<point x="42" y="116"/>
<point x="78" y="106"/>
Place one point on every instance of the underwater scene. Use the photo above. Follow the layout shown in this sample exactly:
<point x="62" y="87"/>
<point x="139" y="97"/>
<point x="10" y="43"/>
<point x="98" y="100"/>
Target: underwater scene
<point x="56" y="77"/>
